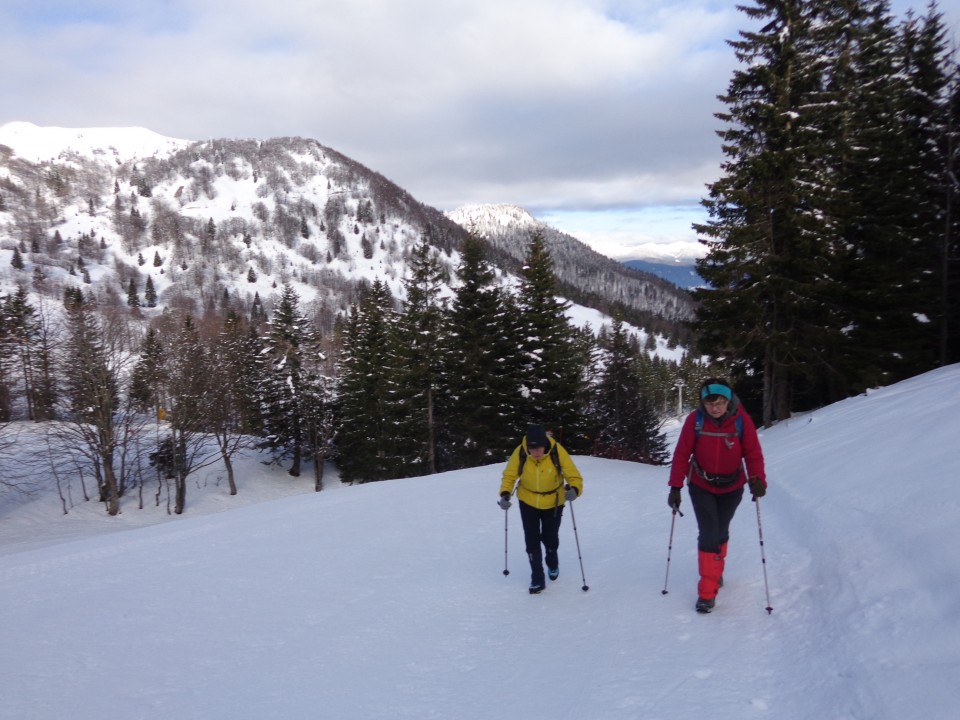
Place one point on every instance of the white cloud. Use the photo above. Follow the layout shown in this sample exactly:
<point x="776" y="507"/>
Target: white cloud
<point x="562" y="104"/>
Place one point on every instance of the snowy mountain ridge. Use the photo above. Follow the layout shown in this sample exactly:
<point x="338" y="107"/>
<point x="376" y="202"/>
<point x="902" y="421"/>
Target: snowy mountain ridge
<point x="496" y="215"/>
<point x="229" y="221"/>
<point x="507" y="226"/>
<point x="47" y="144"/>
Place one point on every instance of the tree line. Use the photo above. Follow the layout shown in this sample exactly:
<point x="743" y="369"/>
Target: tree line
<point x="399" y="389"/>
<point x="833" y="260"/>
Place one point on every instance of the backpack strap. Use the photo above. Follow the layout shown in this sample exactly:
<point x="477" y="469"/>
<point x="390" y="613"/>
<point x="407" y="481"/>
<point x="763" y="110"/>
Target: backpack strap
<point x="698" y="427"/>
<point x="717" y="480"/>
<point x="554" y="455"/>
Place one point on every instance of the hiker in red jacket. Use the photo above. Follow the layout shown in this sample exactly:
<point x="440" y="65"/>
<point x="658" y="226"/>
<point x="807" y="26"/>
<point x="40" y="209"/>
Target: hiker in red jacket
<point x="716" y="442"/>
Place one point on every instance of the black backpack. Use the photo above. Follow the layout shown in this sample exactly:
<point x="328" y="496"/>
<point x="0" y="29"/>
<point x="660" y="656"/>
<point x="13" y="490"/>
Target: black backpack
<point x="554" y="455"/>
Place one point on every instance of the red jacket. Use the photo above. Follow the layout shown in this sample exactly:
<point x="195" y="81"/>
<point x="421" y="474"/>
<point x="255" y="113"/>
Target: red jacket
<point x="718" y="451"/>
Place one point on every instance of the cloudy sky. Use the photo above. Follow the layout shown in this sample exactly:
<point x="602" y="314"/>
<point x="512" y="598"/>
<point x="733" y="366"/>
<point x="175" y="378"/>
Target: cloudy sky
<point x="594" y="115"/>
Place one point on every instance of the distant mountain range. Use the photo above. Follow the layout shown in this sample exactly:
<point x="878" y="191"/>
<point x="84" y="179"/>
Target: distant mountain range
<point x="591" y="277"/>
<point x="681" y="275"/>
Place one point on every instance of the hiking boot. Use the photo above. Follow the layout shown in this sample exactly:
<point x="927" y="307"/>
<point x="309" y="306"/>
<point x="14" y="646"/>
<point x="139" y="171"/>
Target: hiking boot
<point x="536" y="587"/>
<point x="703" y="605"/>
<point x="553" y="573"/>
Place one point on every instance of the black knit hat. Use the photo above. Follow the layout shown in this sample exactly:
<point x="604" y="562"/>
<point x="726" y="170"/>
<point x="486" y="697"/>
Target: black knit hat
<point x="537" y="437"/>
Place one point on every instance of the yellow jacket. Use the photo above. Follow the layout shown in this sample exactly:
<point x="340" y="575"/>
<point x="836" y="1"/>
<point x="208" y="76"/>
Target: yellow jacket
<point x="540" y="486"/>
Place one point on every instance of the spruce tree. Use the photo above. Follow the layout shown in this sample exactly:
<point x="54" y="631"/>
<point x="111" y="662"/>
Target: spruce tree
<point x="133" y="297"/>
<point x="366" y="435"/>
<point x="150" y="293"/>
<point x="553" y="376"/>
<point x="148" y="381"/>
<point x="291" y="346"/>
<point x="624" y="422"/>
<point x="950" y="259"/>
<point x="481" y="383"/>
<point x="924" y="119"/>
<point x="768" y="247"/>
<point x="416" y="383"/>
<point x="239" y="349"/>
<point x="26" y="352"/>
<point x="877" y="181"/>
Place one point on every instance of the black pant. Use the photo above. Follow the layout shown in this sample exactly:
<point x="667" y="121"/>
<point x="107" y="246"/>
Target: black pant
<point x="714" y="513"/>
<point x="541" y="526"/>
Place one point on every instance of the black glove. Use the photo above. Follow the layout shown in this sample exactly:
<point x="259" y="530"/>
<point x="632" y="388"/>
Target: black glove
<point x="673" y="499"/>
<point x="504" y="501"/>
<point x="571" y="494"/>
<point x="758" y="488"/>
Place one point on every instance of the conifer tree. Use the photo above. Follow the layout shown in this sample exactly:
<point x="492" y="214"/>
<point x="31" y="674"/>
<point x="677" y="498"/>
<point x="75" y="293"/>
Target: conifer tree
<point x="150" y="293"/>
<point x="826" y="234"/>
<point x="26" y="355"/>
<point x="192" y="387"/>
<point x="320" y="421"/>
<point x="624" y="421"/>
<point x="258" y="314"/>
<point x="481" y="381"/>
<point x="877" y="180"/>
<point x="768" y="245"/>
<point x="366" y="436"/>
<point x="924" y="62"/>
<point x="17" y="260"/>
<point x="950" y="259"/>
<point x="133" y="297"/>
<point x="416" y="382"/>
<point x="91" y="391"/>
<point x="7" y="350"/>
<point x="292" y="351"/>
<point x="553" y="378"/>
<point x="17" y="331"/>
<point x="148" y="380"/>
<point x="238" y="349"/>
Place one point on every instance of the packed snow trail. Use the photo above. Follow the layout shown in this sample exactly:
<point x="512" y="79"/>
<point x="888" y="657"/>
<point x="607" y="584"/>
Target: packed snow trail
<point x="388" y="600"/>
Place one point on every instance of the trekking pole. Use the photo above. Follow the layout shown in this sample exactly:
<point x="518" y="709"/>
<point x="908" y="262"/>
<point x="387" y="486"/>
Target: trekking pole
<point x="583" y="577"/>
<point x="763" y="557"/>
<point x="673" y="521"/>
<point x="505" y="516"/>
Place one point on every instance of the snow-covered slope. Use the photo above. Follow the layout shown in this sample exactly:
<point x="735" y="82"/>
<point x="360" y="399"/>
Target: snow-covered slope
<point x="498" y="215"/>
<point x="40" y="144"/>
<point x="389" y="600"/>
<point x="223" y="221"/>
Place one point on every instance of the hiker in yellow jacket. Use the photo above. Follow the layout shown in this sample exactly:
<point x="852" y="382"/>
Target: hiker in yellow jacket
<point x="547" y="479"/>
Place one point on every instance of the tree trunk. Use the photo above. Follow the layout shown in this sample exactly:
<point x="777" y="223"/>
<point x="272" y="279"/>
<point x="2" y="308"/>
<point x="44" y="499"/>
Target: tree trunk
<point x="110" y="495"/>
<point x="297" y="457"/>
<point x="231" y="481"/>
<point x="180" y="496"/>
<point x="318" y="463"/>
<point x="181" y="472"/>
